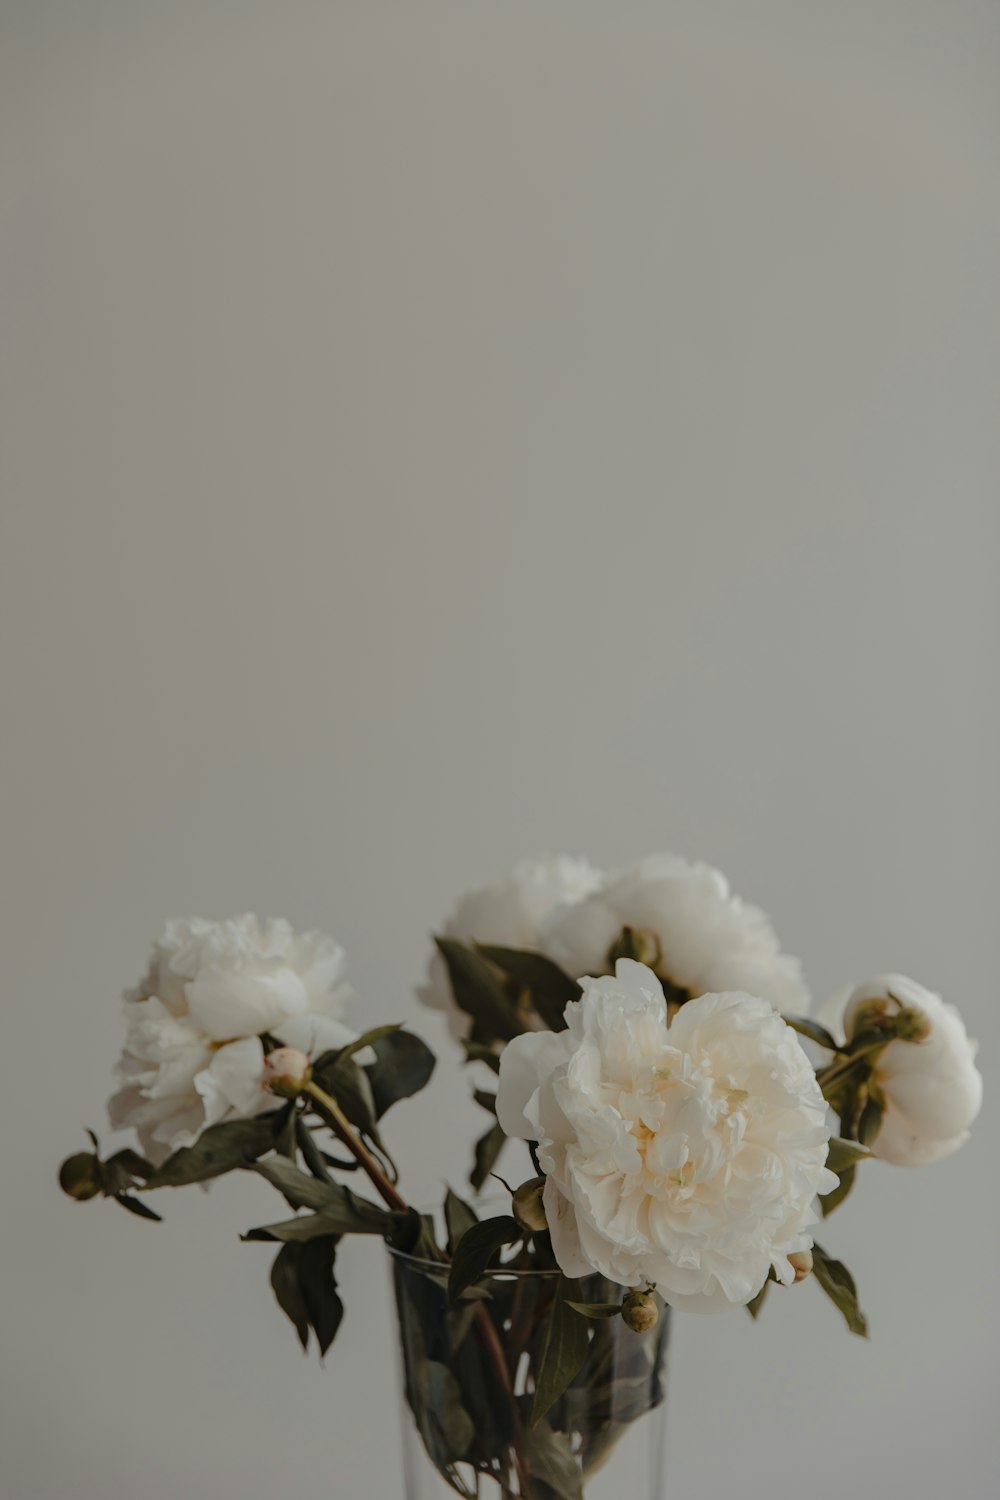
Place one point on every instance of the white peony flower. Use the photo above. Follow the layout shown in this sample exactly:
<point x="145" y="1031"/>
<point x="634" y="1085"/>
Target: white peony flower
<point x="510" y="914"/>
<point x="686" y="1154"/>
<point x="699" y="938"/>
<point x="932" y="1088"/>
<point x="193" y="1055"/>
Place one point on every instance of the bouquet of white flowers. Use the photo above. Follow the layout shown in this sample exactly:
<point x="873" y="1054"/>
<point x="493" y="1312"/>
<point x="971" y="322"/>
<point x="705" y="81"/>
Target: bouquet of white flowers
<point x="644" y="1032"/>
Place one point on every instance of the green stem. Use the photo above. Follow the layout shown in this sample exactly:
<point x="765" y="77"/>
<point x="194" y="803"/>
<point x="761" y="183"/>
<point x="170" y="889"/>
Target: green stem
<point x="836" y="1071"/>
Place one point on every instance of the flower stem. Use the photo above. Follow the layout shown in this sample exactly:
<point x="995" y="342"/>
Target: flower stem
<point x="836" y="1071"/>
<point x="341" y="1127"/>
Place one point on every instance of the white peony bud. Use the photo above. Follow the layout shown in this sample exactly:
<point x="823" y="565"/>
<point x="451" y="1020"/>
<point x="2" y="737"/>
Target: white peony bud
<point x="286" y="1072"/>
<point x="926" y="1074"/>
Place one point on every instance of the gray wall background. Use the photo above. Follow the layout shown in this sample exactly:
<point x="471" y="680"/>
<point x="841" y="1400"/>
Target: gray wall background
<point x="434" y="433"/>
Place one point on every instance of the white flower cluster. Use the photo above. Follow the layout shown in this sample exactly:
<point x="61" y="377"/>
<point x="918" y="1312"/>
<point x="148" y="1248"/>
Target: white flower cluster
<point x="193" y="1054"/>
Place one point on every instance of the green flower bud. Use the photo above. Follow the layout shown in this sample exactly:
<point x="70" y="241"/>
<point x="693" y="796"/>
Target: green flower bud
<point x="870" y="1015"/>
<point x="639" y="1311"/>
<point x="638" y="943"/>
<point x="80" y="1176"/>
<point x="912" y="1025"/>
<point x="528" y="1208"/>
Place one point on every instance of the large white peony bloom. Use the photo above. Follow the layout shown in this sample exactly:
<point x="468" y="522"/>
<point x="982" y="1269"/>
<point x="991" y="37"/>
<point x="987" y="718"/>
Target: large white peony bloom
<point x="686" y="1154"/>
<point x="699" y="938"/>
<point x="193" y="1055"/>
<point x="512" y="914"/>
<point x="932" y="1088"/>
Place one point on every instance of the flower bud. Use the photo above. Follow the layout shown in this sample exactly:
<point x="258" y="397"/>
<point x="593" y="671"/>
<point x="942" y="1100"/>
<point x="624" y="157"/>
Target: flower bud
<point x="80" y="1176"/>
<point x="639" y="1311"/>
<point x="286" y="1072"/>
<point x="801" y="1263"/>
<point x="912" y="1025"/>
<point x="870" y="1015"/>
<point x="527" y="1206"/>
<point x="637" y="943"/>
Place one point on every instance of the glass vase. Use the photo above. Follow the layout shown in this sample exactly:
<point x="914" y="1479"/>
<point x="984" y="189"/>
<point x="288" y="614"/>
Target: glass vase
<point x="467" y="1375"/>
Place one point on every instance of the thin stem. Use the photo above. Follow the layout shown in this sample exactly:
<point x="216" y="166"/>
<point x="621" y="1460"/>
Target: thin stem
<point x="836" y="1071"/>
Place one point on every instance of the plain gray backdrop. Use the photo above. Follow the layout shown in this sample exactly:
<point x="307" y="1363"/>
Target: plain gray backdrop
<point x="435" y="433"/>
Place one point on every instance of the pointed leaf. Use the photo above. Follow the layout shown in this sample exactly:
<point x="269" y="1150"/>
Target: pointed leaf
<point x="137" y="1207"/>
<point x="458" y="1218"/>
<point x="756" y="1303"/>
<point x="835" y="1197"/>
<point x="597" y="1310"/>
<point x="563" y="1352"/>
<point x="319" y="1289"/>
<point x="477" y="1247"/>
<point x="488" y="1148"/>
<point x="551" y="988"/>
<point x="479" y="993"/>
<point x="844" y="1154"/>
<point x="288" y="1291"/>
<point x="219" y="1149"/>
<point x="331" y="1200"/>
<point x="806" y="1026"/>
<point x="477" y="1052"/>
<point x="403" y="1065"/>
<point x="838" y="1284"/>
<point x="550" y="1459"/>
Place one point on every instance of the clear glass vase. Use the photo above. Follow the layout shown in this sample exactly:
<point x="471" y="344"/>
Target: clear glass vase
<point x="467" y="1377"/>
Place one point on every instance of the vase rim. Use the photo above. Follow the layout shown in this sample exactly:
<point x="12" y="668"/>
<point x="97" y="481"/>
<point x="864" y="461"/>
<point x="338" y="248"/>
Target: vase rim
<point x="423" y="1262"/>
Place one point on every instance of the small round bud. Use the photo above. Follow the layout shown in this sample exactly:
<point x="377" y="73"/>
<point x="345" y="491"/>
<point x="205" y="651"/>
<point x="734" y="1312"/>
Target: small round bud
<point x="528" y="1208"/>
<point x="640" y="1312"/>
<point x="802" y="1264"/>
<point x="638" y="943"/>
<point x="80" y="1176"/>
<point x="912" y="1025"/>
<point x="286" y="1072"/>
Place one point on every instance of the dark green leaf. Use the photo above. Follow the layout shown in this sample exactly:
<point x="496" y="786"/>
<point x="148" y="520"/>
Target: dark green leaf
<point x="137" y="1207"/>
<point x="477" y="1247"/>
<point x="314" y="1158"/>
<point x="843" y="1154"/>
<point x="330" y="1199"/>
<point x="319" y="1289"/>
<point x="756" y="1303"/>
<point x="597" y="1310"/>
<point x="835" y="1197"/>
<point x="814" y="1031"/>
<point x="351" y="1087"/>
<point x="403" y="1064"/>
<point x="486" y="1100"/>
<point x="550" y="1460"/>
<point x="870" y="1120"/>
<point x="287" y="1289"/>
<point x="838" y="1284"/>
<point x="131" y="1162"/>
<point x="488" y="1148"/>
<point x="479" y="993"/>
<point x="219" y="1149"/>
<point x="551" y="988"/>
<point x="563" y="1351"/>
<point x="445" y="1425"/>
<point x="476" y="1052"/>
<point x="368" y="1039"/>
<point x="285" y="1123"/>
<point x="458" y="1218"/>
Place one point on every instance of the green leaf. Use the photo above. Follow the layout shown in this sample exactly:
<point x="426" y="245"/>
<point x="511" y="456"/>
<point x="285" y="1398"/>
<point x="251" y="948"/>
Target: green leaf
<point x="814" y="1031"/>
<point x="477" y="1247"/>
<point x="479" y="993"/>
<point x="287" y="1289"/>
<point x="756" y="1303"/>
<point x="331" y="1199"/>
<point x="319" y="1289"/>
<point x="563" y="1351"/>
<point x="368" y="1039"/>
<point x="286" y="1128"/>
<point x="488" y="1148"/>
<point x="445" y="1425"/>
<point x="843" y="1154"/>
<point x="870" y="1120"/>
<point x="550" y="1460"/>
<point x="597" y="1310"/>
<point x="551" y="989"/>
<point x="476" y="1052"/>
<point x="458" y="1217"/>
<point x="486" y="1100"/>
<point x="835" y="1197"/>
<point x="351" y="1087"/>
<point x="137" y="1207"/>
<point x="219" y="1149"/>
<point x="403" y="1065"/>
<point x="838" y="1284"/>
